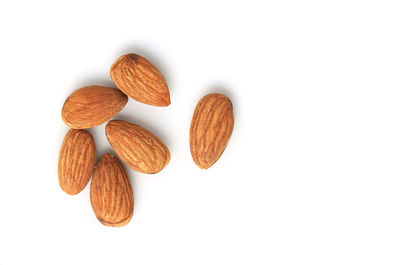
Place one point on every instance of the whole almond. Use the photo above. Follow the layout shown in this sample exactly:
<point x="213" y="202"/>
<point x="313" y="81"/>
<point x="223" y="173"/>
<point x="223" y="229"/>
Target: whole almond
<point x="140" y="80"/>
<point x="211" y="128"/>
<point x="91" y="106"/>
<point x="76" y="161"/>
<point x="111" y="193"/>
<point x="137" y="147"/>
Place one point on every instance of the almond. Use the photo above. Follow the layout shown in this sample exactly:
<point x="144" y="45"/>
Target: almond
<point x="111" y="193"/>
<point x="76" y="161"/>
<point x="140" y="80"/>
<point x="91" y="106"/>
<point x="211" y="128"/>
<point x="137" y="147"/>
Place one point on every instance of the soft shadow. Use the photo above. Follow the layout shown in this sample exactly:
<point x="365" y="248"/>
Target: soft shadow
<point x="145" y="124"/>
<point x="100" y="80"/>
<point x="153" y="58"/>
<point x="99" y="135"/>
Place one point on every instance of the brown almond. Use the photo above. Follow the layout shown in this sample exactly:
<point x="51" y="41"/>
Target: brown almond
<point x="91" y="106"/>
<point x="211" y="128"/>
<point x="137" y="147"/>
<point x="76" y="161"/>
<point x="111" y="193"/>
<point x="140" y="79"/>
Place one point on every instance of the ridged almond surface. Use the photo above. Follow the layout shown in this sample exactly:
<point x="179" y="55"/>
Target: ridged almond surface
<point x="137" y="147"/>
<point x="140" y="79"/>
<point x="76" y="161"/>
<point x="211" y="128"/>
<point x="91" y="106"/>
<point x="111" y="193"/>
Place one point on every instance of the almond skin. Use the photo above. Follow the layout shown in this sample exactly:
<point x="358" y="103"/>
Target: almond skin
<point x="211" y="128"/>
<point x="137" y="147"/>
<point x="76" y="161"/>
<point x="140" y="80"/>
<point x="91" y="106"/>
<point x="111" y="193"/>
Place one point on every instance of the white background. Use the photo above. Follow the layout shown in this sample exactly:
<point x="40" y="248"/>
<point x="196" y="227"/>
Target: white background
<point x="311" y="174"/>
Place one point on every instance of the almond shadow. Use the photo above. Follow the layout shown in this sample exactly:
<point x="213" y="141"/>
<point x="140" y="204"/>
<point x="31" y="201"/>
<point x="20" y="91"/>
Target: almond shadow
<point x="95" y="80"/>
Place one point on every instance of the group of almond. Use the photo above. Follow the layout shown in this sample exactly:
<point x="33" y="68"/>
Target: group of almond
<point x="111" y="193"/>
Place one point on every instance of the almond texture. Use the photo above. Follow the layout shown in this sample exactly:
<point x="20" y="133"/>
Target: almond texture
<point x="111" y="193"/>
<point x="137" y="147"/>
<point x="211" y="128"/>
<point x="76" y="161"/>
<point x="140" y="80"/>
<point x="91" y="106"/>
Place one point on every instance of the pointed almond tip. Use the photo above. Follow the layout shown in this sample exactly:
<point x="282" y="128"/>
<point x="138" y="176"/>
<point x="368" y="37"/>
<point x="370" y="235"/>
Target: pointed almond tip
<point x="160" y="103"/>
<point x="166" y="103"/>
<point x="108" y="156"/>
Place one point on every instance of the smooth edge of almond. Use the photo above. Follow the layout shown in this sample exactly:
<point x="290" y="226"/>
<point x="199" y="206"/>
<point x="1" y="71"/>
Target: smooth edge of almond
<point x="72" y="126"/>
<point x="129" y="218"/>
<point x="94" y="164"/>
<point x="209" y="165"/>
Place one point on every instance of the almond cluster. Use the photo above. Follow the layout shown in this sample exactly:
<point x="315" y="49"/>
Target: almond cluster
<point x="111" y="194"/>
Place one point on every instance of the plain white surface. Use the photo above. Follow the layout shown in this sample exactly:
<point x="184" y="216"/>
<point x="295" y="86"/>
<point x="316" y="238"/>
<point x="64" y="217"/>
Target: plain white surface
<point x="311" y="174"/>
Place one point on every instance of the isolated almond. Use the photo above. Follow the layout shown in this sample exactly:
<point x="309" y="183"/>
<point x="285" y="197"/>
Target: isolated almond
<point x="211" y="128"/>
<point x="76" y="161"/>
<point x="140" y="80"/>
<point x="137" y="147"/>
<point x="111" y="193"/>
<point x="91" y="106"/>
